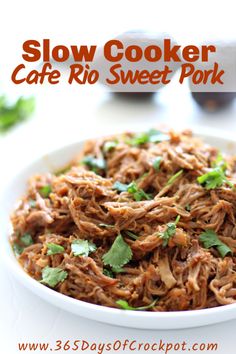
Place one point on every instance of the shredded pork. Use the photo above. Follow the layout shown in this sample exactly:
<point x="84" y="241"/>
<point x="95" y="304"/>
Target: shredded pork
<point x="83" y="204"/>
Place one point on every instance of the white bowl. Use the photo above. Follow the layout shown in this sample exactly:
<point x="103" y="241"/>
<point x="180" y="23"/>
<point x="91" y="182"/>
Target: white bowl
<point x="146" y="320"/>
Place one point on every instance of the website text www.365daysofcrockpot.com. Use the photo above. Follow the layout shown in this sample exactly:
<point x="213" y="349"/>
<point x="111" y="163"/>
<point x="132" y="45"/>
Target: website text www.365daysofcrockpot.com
<point x="117" y="346"/>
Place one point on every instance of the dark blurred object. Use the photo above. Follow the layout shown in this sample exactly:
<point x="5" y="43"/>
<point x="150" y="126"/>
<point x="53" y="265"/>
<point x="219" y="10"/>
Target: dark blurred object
<point x="143" y="39"/>
<point x="134" y="95"/>
<point x="225" y="56"/>
<point x="213" y="101"/>
<point x="12" y="114"/>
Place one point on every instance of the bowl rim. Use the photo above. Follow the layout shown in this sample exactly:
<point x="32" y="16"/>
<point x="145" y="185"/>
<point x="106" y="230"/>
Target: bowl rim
<point x="11" y="261"/>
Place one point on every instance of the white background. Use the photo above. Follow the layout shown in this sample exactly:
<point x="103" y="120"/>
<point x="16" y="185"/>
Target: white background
<point x="66" y="114"/>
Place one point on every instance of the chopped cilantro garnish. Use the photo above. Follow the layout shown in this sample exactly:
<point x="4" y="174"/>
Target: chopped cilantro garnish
<point x="109" y="145"/>
<point x="94" y="163"/>
<point x="118" y="270"/>
<point x="17" y="249"/>
<point x="172" y="179"/>
<point x="152" y="136"/>
<point x="169" y="232"/>
<point x="11" y="114"/>
<point x="82" y="247"/>
<point x="133" y="189"/>
<point x="156" y="163"/>
<point x="120" y="187"/>
<point x="53" y="248"/>
<point x="45" y="191"/>
<point x="111" y="272"/>
<point x="137" y="193"/>
<point x="219" y="162"/>
<point x="53" y="276"/>
<point x="214" y="179"/>
<point x="27" y="240"/>
<point x="125" y="306"/>
<point x="131" y="234"/>
<point x="108" y="273"/>
<point x="108" y="226"/>
<point x="188" y="207"/>
<point x="210" y="239"/>
<point x="119" y="254"/>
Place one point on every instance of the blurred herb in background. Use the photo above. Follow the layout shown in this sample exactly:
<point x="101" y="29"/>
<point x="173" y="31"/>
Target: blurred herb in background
<point x="12" y="114"/>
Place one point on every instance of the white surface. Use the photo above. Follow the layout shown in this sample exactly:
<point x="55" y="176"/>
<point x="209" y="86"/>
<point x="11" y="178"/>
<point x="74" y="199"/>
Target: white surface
<point x="73" y="114"/>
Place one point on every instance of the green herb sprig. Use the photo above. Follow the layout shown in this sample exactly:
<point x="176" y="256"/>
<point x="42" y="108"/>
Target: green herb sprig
<point x="173" y="178"/>
<point x="45" y="191"/>
<point x="53" y="248"/>
<point x="119" y="254"/>
<point x="94" y="163"/>
<point x="82" y="248"/>
<point x="53" y="276"/>
<point x="151" y="136"/>
<point x="156" y="163"/>
<point x="210" y="239"/>
<point x="216" y="177"/>
<point x="27" y="240"/>
<point x="132" y="188"/>
<point x="169" y="232"/>
<point x="125" y="306"/>
<point x="110" y="145"/>
<point x="12" y="114"/>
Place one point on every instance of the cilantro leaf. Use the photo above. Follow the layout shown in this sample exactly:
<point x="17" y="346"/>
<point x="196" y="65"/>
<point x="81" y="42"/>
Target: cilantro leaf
<point x="119" y="254"/>
<point x="53" y="248"/>
<point x="172" y="179"/>
<point x="156" y="163"/>
<point x="213" y="179"/>
<point x="216" y="177"/>
<point x="131" y="234"/>
<point x="111" y="272"/>
<point x="94" y="163"/>
<point x="138" y="139"/>
<point x="188" y="207"/>
<point x="17" y="249"/>
<point x="45" y="191"/>
<point x="11" y="114"/>
<point x="82" y="247"/>
<point x="151" y="136"/>
<point x="118" y="270"/>
<point x="133" y="189"/>
<point x="27" y="240"/>
<point x="125" y="306"/>
<point x="219" y="162"/>
<point x="120" y="187"/>
<point x="108" y="226"/>
<point x="108" y="273"/>
<point x="53" y="276"/>
<point x="137" y="193"/>
<point x="156" y="136"/>
<point x="210" y="239"/>
<point x="169" y="232"/>
<point x="109" y="145"/>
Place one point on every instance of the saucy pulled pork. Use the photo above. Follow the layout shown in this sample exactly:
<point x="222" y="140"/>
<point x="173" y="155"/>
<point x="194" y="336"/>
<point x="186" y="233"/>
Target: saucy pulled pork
<point x="137" y="221"/>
